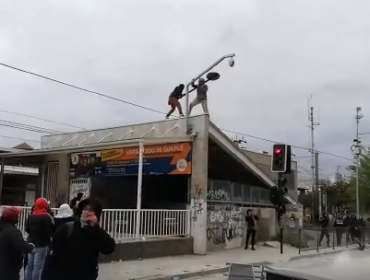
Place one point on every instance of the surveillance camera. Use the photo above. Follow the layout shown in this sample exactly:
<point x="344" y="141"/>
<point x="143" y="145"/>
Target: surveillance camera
<point x="231" y="62"/>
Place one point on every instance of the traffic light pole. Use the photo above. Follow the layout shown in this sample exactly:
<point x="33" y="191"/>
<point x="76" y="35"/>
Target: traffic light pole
<point x="281" y="185"/>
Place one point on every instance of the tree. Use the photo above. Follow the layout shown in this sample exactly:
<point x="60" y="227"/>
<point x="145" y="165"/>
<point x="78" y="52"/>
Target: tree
<point x="364" y="181"/>
<point x="337" y="195"/>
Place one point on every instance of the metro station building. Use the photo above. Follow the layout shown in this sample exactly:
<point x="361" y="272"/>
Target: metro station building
<point x="204" y="172"/>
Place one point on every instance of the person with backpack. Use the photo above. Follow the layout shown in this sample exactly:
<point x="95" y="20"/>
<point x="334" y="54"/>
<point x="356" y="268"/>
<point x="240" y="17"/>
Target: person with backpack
<point x="12" y="245"/>
<point x="75" y="248"/>
<point x="40" y="227"/>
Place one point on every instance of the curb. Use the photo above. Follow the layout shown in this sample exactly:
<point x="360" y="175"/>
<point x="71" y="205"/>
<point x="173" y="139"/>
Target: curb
<point x="322" y="254"/>
<point x="226" y="267"/>
<point x="194" y="273"/>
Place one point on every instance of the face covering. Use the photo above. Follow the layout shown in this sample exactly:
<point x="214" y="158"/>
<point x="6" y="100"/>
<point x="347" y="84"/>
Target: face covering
<point x="84" y="218"/>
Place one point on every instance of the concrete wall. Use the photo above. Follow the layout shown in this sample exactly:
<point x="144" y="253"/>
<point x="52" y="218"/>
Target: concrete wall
<point x="198" y="186"/>
<point x="263" y="161"/>
<point x="226" y="228"/>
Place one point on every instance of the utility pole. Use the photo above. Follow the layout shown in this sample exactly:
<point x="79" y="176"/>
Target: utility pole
<point x="312" y="125"/>
<point x="338" y="175"/>
<point x="356" y="149"/>
<point x="317" y="183"/>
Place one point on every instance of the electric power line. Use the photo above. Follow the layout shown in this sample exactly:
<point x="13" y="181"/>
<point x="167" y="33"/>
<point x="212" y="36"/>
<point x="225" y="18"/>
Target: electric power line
<point x="147" y="108"/>
<point x="27" y="127"/>
<point x="19" y="138"/>
<point x="40" y="119"/>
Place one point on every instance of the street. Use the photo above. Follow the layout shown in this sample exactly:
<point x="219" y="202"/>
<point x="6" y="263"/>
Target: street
<point x="343" y="266"/>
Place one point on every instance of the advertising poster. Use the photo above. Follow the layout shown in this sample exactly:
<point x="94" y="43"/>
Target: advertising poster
<point x="169" y="159"/>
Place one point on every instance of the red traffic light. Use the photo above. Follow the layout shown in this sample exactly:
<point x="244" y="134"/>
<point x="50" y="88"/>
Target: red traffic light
<point x="277" y="151"/>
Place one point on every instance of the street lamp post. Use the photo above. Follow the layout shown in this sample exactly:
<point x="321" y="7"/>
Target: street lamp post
<point x="231" y="64"/>
<point x="356" y="149"/>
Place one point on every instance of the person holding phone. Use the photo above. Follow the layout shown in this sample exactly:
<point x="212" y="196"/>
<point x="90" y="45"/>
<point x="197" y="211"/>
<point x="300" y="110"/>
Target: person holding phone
<point x="75" y="248"/>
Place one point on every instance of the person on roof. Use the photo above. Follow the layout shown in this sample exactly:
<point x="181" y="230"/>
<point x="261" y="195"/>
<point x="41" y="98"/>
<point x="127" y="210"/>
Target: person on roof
<point x="75" y="248"/>
<point x="40" y="227"/>
<point x="12" y="245"/>
<point x="173" y="100"/>
<point x="201" y="97"/>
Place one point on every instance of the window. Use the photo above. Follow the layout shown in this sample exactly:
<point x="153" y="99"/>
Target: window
<point x="255" y="194"/>
<point x="221" y="190"/>
<point x="238" y="192"/>
<point x="246" y="193"/>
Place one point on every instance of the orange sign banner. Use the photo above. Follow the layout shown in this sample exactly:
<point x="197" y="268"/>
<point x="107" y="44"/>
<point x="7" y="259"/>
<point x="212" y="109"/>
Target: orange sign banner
<point x="178" y="155"/>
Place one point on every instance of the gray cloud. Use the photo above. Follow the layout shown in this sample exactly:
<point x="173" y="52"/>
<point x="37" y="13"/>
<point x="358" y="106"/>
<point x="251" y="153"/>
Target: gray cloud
<point x="138" y="50"/>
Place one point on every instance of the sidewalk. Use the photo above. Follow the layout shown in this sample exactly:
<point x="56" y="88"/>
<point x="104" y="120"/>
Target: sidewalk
<point x="193" y="265"/>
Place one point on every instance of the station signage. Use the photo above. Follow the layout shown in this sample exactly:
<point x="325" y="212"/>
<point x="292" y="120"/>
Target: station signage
<point x="169" y="159"/>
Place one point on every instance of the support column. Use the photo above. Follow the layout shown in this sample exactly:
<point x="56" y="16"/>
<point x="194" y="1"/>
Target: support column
<point x="62" y="191"/>
<point x="2" y="177"/>
<point x="198" y="189"/>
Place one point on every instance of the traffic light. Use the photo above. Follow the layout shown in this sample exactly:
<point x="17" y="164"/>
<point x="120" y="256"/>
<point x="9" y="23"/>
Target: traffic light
<point x="281" y="158"/>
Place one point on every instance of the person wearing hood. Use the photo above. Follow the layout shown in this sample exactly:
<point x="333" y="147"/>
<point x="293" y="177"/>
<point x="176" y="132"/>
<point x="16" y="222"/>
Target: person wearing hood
<point x="64" y="215"/>
<point x="12" y="245"/>
<point x="174" y="102"/>
<point x="40" y="227"/>
<point x="201" y="97"/>
<point x="75" y="248"/>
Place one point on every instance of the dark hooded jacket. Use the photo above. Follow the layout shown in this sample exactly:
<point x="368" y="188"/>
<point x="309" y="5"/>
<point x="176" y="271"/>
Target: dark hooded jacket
<point x="12" y="249"/>
<point x="75" y="249"/>
<point x="40" y="224"/>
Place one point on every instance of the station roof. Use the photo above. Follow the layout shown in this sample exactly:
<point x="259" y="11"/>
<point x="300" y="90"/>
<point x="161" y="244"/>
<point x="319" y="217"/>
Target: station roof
<point x="171" y="131"/>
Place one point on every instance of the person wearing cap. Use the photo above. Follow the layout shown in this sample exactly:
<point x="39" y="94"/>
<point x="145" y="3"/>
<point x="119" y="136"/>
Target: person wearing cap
<point x="75" y="248"/>
<point x="40" y="227"/>
<point x="12" y="245"/>
<point x="201" y="97"/>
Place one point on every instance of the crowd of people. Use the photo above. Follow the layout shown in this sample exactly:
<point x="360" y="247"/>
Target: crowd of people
<point x="58" y="247"/>
<point x="352" y="227"/>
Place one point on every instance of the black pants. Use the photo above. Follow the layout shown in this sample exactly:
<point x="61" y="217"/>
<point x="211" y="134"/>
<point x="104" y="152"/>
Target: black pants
<point x="325" y="232"/>
<point x="339" y="233"/>
<point x="251" y="234"/>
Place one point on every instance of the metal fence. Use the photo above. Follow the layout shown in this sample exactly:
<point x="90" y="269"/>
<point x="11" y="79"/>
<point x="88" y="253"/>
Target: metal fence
<point x="317" y="238"/>
<point x="121" y="223"/>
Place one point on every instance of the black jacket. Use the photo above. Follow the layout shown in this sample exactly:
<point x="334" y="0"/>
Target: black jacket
<point x="12" y="249"/>
<point x="40" y="229"/>
<point x="251" y="222"/>
<point x="61" y="221"/>
<point x="75" y="252"/>
<point x="324" y="222"/>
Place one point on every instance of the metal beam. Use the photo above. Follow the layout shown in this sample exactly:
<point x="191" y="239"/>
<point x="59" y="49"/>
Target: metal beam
<point x="52" y="143"/>
<point x="126" y="134"/>
<point x="105" y="137"/>
<point x="149" y="131"/>
<point x="83" y="141"/>
<point x="170" y="130"/>
<point x="70" y="140"/>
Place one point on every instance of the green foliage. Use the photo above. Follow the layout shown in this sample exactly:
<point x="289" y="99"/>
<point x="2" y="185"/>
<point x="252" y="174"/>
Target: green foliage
<point x="338" y="194"/>
<point x="364" y="181"/>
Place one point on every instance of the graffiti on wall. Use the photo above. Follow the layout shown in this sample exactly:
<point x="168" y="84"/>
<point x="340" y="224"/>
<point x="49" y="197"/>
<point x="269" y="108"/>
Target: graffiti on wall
<point x="197" y="205"/>
<point x="219" y="195"/>
<point x="225" y="223"/>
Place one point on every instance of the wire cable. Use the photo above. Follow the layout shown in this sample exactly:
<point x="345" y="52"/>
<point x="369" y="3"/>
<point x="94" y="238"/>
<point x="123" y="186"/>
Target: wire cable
<point x="40" y="119"/>
<point x="149" y="109"/>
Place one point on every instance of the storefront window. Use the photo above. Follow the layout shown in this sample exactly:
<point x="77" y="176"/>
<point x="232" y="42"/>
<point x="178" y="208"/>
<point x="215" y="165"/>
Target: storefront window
<point x="238" y="192"/>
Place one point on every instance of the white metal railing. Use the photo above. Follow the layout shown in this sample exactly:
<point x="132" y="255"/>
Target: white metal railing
<point x="121" y="223"/>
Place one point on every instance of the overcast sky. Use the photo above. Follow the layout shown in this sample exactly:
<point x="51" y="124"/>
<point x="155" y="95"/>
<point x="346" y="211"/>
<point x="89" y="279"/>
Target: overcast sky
<point x="138" y="50"/>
